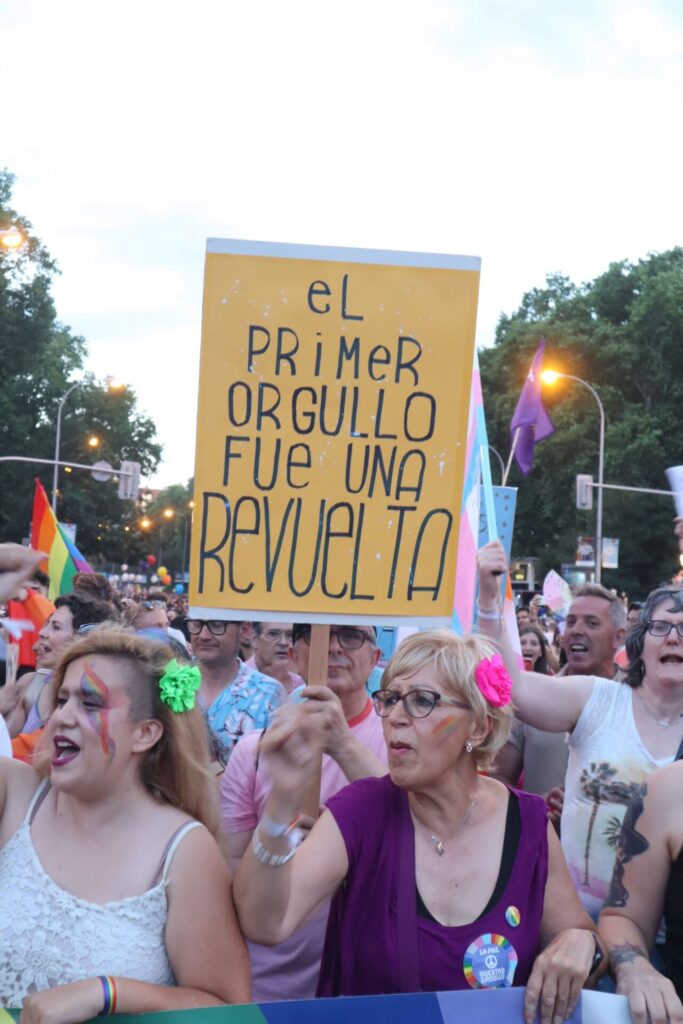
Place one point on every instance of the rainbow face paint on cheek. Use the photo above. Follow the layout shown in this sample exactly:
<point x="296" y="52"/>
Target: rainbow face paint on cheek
<point x="94" y="687"/>
<point x="445" y="727"/>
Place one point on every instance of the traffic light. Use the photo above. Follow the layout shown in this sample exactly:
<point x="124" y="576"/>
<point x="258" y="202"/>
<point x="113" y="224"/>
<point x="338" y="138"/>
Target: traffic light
<point x="129" y="480"/>
<point x="584" y="491"/>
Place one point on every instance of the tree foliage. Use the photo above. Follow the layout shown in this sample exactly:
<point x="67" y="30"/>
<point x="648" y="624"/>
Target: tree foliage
<point x="623" y="334"/>
<point x="168" y="536"/>
<point x="40" y="360"/>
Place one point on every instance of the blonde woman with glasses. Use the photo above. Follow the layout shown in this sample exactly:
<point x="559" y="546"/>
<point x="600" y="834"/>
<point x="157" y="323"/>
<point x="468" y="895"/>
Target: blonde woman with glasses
<point x="440" y="878"/>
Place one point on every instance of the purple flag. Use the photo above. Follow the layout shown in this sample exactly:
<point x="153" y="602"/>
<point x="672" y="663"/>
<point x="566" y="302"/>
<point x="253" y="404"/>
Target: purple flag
<point x="530" y="417"/>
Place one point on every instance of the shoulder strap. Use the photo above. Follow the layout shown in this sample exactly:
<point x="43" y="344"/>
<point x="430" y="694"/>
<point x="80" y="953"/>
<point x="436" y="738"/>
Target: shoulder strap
<point x="406" y="899"/>
<point x="34" y="688"/>
<point x="36" y="800"/>
<point x="171" y="847"/>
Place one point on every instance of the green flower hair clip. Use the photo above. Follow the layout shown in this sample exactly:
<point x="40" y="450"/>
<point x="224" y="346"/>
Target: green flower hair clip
<point x="178" y="686"/>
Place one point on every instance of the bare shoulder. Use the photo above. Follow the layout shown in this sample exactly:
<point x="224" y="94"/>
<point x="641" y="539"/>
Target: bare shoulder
<point x="18" y="783"/>
<point x="493" y="795"/>
<point x="197" y="851"/>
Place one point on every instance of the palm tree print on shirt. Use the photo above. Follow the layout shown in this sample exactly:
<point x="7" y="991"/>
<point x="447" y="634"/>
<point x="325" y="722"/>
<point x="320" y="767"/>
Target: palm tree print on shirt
<point x="599" y="785"/>
<point x="594" y="783"/>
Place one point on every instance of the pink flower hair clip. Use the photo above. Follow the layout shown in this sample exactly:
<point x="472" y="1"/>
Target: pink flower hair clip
<point x="493" y="681"/>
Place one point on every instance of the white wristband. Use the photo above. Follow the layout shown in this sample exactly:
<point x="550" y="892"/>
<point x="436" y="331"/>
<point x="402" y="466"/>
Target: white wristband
<point x="272" y="828"/>
<point x="272" y="860"/>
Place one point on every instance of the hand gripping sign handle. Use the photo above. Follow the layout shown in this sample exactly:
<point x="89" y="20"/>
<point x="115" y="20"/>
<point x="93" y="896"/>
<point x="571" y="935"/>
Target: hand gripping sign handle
<point x="317" y="676"/>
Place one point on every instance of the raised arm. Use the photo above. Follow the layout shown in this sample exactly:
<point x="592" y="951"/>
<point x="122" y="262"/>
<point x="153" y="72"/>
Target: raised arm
<point x="17" y="566"/>
<point x="555" y="708"/>
<point x="650" y="840"/>
<point x="273" y="899"/>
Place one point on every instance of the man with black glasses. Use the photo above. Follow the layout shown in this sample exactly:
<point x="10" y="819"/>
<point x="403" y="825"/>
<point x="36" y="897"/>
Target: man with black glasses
<point x="236" y="698"/>
<point x="351" y="737"/>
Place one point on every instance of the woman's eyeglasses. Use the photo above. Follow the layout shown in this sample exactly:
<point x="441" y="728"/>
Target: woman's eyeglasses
<point x="659" y="627"/>
<point x="416" y="703"/>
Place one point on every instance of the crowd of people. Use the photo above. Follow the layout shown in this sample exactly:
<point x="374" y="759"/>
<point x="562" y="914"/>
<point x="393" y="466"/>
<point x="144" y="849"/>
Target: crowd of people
<point x="189" y="817"/>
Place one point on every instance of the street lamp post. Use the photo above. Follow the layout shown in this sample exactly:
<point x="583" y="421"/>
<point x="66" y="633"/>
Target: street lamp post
<point x="111" y="384"/>
<point x="58" y="441"/>
<point x="190" y="505"/>
<point x="170" y="513"/>
<point x="549" y="377"/>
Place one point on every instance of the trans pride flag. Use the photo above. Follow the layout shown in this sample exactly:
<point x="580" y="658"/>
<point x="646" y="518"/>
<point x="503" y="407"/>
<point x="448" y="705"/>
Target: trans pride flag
<point x="477" y="444"/>
<point x="64" y="559"/>
<point x="477" y="483"/>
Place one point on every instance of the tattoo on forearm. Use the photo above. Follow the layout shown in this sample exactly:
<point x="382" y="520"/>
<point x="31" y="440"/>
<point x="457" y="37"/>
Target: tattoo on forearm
<point x="629" y="844"/>
<point x="626" y="953"/>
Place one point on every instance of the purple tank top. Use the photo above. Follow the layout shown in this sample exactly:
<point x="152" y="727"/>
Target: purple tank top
<point x="375" y="941"/>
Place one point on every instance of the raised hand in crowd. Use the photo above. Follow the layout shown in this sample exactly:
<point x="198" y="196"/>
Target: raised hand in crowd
<point x="17" y="566"/>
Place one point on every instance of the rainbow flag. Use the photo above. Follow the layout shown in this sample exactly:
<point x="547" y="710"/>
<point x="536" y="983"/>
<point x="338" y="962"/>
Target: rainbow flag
<point x="64" y="559"/>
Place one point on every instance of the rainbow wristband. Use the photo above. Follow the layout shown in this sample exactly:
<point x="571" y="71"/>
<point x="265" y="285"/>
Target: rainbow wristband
<point x="109" y="992"/>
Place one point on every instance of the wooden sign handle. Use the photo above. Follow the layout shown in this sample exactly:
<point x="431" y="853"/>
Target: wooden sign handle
<point x="317" y="676"/>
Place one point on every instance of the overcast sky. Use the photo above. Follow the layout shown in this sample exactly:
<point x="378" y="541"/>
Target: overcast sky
<point x="540" y="136"/>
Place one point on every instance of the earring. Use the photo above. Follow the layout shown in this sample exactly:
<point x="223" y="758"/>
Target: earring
<point x="468" y="747"/>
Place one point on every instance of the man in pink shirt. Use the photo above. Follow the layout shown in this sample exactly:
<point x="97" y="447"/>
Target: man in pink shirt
<point x="271" y="643"/>
<point x="353" y="745"/>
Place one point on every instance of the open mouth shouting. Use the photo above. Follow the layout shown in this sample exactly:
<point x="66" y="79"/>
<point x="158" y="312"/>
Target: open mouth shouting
<point x="64" y="751"/>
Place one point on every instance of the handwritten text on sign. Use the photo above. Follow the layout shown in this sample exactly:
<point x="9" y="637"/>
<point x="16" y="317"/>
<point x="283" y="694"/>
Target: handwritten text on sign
<point x="330" y="447"/>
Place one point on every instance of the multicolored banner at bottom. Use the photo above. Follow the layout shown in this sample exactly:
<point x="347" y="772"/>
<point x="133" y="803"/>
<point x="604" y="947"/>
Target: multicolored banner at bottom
<point x="492" y="1006"/>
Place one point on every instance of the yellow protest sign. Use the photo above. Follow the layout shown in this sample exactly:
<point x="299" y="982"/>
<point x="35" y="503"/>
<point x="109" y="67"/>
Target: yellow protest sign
<point x="333" y="401"/>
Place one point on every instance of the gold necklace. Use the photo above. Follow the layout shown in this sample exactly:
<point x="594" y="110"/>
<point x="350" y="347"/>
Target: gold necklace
<point x="663" y="723"/>
<point x="438" y="844"/>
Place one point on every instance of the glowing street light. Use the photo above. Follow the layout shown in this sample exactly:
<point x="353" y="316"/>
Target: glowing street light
<point x="93" y="441"/>
<point x="146" y="523"/>
<point x="12" y="237"/>
<point x="551" y="377"/>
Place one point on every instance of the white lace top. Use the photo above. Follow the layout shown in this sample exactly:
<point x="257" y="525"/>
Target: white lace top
<point x="49" y="937"/>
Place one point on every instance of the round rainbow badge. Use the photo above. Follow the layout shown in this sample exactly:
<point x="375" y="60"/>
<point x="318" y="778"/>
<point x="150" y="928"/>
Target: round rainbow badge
<point x="513" y="917"/>
<point x="490" y="962"/>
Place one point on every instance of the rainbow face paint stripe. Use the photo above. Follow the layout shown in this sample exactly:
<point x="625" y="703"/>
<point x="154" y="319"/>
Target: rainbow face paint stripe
<point x="445" y="727"/>
<point x="94" y="687"/>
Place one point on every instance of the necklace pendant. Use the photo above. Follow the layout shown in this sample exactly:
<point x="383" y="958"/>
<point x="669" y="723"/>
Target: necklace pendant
<point x="438" y="845"/>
